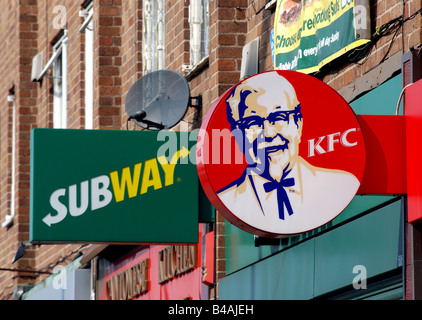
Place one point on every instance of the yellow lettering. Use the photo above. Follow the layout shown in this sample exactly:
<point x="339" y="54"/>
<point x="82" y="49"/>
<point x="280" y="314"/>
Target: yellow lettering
<point x="168" y="168"/>
<point x="126" y="181"/>
<point x="151" y="176"/>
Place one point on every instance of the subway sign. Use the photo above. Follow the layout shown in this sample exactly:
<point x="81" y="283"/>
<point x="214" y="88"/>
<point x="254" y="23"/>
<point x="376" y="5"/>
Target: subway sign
<point x="113" y="186"/>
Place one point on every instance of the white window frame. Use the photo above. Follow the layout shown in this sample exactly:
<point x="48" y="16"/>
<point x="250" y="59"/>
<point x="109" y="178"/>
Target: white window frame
<point x="153" y="29"/>
<point x="88" y="29"/>
<point x="60" y="88"/>
<point x="9" y="217"/>
<point x="199" y="31"/>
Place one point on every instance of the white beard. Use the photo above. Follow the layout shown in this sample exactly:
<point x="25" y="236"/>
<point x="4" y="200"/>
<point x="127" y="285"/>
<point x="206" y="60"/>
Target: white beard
<point x="279" y="163"/>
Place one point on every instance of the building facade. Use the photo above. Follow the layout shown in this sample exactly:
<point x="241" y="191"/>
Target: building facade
<point x="70" y="64"/>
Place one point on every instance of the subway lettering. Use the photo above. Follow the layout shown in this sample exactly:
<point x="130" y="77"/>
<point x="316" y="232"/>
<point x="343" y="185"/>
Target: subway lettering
<point x="143" y="177"/>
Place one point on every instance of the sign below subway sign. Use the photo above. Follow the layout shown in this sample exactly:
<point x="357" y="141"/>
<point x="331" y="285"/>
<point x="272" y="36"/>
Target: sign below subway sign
<point x="155" y="272"/>
<point x="112" y="186"/>
<point x="176" y="260"/>
<point x="311" y="33"/>
<point x="129" y="283"/>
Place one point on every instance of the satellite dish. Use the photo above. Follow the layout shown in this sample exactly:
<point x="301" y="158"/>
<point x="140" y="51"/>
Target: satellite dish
<point x="158" y="100"/>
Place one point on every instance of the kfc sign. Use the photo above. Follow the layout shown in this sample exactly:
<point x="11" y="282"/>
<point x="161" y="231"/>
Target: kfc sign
<point x="280" y="153"/>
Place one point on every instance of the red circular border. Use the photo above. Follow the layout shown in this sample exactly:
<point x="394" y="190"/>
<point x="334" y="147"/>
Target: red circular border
<point x="330" y="114"/>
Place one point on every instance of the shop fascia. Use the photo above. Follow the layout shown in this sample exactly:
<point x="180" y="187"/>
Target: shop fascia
<point x="173" y="261"/>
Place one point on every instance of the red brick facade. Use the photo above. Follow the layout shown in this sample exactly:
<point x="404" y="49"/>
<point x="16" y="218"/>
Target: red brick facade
<point x="29" y="27"/>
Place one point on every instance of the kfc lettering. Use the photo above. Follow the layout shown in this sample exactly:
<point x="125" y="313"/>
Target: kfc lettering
<point x="330" y="141"/>
<point x="302" y="148"/>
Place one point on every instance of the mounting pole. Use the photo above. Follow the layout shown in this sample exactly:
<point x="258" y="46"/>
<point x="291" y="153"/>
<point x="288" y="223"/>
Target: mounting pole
<point x="198" y="102"/>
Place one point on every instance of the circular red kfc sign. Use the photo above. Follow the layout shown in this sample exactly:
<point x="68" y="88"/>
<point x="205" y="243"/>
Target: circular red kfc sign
<point x="280" y="153"/>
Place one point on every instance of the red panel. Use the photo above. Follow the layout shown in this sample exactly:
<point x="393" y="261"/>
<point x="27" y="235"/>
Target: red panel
<point x="413" y="109"/>
<point x="184" y="286"/>
<point x="385" y="170"/>
<point x="208" y="277"/>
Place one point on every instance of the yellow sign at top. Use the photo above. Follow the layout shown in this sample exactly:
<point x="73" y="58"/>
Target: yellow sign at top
<point x="311" y="33"/>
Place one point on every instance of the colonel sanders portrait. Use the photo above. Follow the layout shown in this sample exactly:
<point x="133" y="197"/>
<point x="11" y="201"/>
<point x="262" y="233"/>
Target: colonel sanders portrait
<point x="279" y="191"/>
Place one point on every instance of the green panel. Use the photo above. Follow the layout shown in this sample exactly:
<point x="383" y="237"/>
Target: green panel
<point x="162" y="206"/>
<point x="361" y="204"/>
<point x="381" y="100"/>
<point x="287" y="275"/>
<point x="241" y="251"/>
<point x="391" y="294"/>
<point x="206" y="210"/>
<point x="325" y="263"/>
<point x="372" y="241"/>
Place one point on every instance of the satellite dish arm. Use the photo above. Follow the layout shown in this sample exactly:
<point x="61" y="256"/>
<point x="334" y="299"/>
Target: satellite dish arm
<point x="140" y="117"/>
<point x="149" y="124"/>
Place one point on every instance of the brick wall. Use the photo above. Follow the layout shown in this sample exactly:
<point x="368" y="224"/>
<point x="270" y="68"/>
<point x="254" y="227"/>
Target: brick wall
<point x="28" y="27"/>
<point x="107" y="64"/>
<point x="8" y="23"/>
<point x="177" y="34"/>
<point x="381" y="13"/>
<point x="131" y="48"/>
<point x="19" y="41"/>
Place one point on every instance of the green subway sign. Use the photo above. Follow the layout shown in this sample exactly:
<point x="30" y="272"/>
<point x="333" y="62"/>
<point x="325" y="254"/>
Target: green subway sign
<point x="113" y="187"/>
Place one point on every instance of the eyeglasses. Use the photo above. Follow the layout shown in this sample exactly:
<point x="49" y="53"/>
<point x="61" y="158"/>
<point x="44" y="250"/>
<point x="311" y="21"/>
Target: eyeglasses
<point x="274" y="117"/>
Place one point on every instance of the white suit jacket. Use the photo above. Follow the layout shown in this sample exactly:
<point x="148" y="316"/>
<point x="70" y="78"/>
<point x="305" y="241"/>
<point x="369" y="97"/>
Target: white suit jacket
<point x="317" y="197"/>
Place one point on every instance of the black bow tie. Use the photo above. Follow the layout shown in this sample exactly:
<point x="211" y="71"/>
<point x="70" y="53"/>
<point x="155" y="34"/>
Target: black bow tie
<point x="282" y="197"/>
